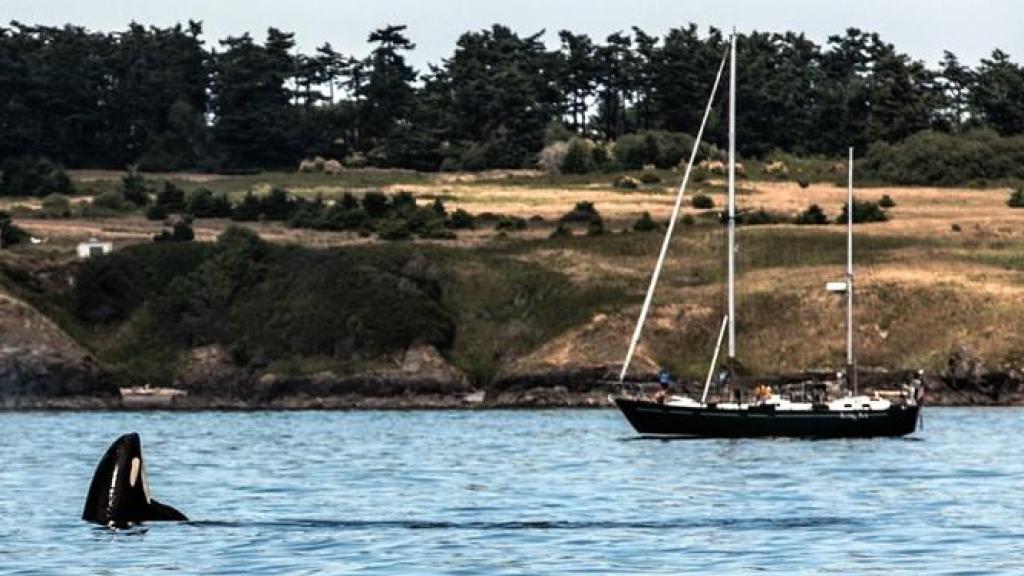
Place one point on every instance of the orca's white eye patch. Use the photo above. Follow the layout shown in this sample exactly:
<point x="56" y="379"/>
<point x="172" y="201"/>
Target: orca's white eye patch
<point x="136" y="468"/>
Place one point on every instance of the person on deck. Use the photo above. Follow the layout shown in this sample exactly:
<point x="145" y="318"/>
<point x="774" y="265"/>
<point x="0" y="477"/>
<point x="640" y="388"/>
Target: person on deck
<point x="664" y="381"/>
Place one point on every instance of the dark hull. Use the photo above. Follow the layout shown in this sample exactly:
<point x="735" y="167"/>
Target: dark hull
<point x="650" y="418"/>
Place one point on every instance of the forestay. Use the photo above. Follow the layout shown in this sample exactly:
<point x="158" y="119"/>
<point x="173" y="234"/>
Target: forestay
<point x="671" y="226"/>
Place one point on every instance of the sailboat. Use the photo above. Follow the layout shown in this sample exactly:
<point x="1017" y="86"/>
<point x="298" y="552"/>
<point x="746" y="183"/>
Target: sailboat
<point x="770" y="414"/>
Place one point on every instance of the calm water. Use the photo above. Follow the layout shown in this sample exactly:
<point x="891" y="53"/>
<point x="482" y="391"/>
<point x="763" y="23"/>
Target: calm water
<point x="515" y="492"/>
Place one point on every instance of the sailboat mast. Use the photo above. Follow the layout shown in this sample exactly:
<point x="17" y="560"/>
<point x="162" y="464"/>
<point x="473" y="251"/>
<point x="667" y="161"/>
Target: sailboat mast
<point x="851" y="365"/>
<point x="732" y="202"/>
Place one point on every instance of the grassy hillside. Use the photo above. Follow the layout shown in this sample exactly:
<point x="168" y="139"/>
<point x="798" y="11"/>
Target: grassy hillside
<point x="946" y="269"/>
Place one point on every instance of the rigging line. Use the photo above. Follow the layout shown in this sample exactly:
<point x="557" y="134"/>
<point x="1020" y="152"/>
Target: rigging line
<point x="671" y="226"/>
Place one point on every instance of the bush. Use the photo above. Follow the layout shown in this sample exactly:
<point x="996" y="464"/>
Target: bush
<point x="582" y="212"/>
<point x="863" y="211"/>
<point x="156" y="212"/>
<point x="601" y="158"/>
<point x="203" y="204"/>
<point x="803" y="182"/>
<point x="348" y="201"/>
<point x="462" y="220"/>
<point x="33" y="176"/>
<point x="248" y="210"/>
<point x="658" y="147"/>
<point x="1016" y="198"/>
<point x="760" y="217"/>
<point x="578" y="158"/>
<point x="134" y="187"/>
<point x="595" y="227"/>
<point x="180" y="232"/>
<point x="551" y="157"/>
<point x="393" y="229"/>
<point x="277" y="206"/>
<point x="938" y="158"/>
<point x="813" y="215"/>
<point x="403" y="202"/>
<point x="376" y="204"/>
<point x="887" y="201"/>
<point x="510" y="224"/>
<point x="650" y="178"/>
<point x="702" y="202"/>
<point x="688" y="220"/>
<point x="9" y="233"/>
<point x="110" y="201"/>
<point x="57" y="206"/>
<point x="561" y="231"/>
<point x="171" y="198"/>
<point x="436" y="230"/>
<point x="626" y="183"/>
<point x="439" y="208"/>
<point x="644" y="223"/>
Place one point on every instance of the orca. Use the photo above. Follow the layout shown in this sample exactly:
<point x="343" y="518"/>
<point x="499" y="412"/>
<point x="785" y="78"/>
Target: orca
<point x="119" y="495"/>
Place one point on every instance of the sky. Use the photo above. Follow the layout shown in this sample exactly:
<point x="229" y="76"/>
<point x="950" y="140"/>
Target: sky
<point x="920" y="28"/>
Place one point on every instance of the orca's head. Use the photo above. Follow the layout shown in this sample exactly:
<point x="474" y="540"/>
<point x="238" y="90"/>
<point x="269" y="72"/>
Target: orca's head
<point x="119" y="495"/>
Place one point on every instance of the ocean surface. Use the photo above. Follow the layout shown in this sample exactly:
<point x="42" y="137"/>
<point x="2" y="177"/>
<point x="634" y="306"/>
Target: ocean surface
<point x="514" y="492"/>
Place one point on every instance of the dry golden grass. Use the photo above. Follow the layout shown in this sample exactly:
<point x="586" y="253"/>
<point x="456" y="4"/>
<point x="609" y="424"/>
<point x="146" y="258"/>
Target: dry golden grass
<point x="921" y="286"/>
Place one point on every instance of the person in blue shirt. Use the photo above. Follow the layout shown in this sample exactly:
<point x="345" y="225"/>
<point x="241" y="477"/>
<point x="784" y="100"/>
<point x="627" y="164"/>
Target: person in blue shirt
<point x="664" y="381"/>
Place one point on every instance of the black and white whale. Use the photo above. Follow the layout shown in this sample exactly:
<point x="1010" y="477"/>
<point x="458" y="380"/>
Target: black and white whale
<point x="119" y="495"/>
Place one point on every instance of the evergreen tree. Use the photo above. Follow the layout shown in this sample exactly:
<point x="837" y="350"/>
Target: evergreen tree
<point x="999" y="94"/>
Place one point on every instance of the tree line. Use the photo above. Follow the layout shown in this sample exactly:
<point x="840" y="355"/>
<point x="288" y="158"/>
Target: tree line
<point x="164" y="99"/>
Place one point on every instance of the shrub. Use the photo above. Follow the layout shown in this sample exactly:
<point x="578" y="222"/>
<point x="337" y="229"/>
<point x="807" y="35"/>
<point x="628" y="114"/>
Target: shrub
<point x="134" y="187"/>
<point x="171" y="197"/>
<point x="180" y="232"/>
<point x="248" y="210"/>
<point x="863" y="211"/>
<point x="650" y="178"/>
<point x="203" y="204"/>
<point x="956" y="228"/>
<point x="57" y="206"/>
<point x="595" y="227"/>
<point x="393" y="229"/>
<point x="813" y="215"/>
<point x="582" y="212"/>
<point x="109" y="288"/>
<point x="578" y="159"/>
<point x="644" y="223"/>
<point x="110" y="201"/>
<point x="626" y="183"/>
<point x="561" y="231"/>
<point x="9" y="233"/>
<point x="436" y="230"/>
<point x="601" y="158"/>
<point x="462" y="220"/>
<point x="33" y="176"/>
<point x="510" y="224"/>
<point x="277" y="205"/>
<point x="1016" y="198"/>
<point x="551" y="157"/>
<point x="887" y="202"/>
<point x="688" y="220"/>
<point x="439" y="208"/>
<point x="760" y="217"/>
<point x="156" y="212"/>
<point x="938" y="158"/>
<point x="803" y="182"/>
<point x="702" y="202"/>
<point x="376" y="204"/>
<point x="348" y="201"/>
<point x="403" y="202"/>
<point x="658" y="147"/>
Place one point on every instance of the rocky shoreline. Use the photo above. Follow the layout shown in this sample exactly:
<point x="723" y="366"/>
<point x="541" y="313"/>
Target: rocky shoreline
<point x="540" y="391"/>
